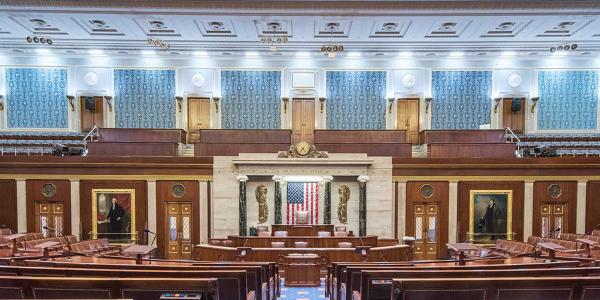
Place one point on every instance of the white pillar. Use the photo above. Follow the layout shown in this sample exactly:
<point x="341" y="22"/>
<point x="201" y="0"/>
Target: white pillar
<point x="528" y="210"/>
<point x="151" y="187"/>
<point x="452" y="210"/>
<point x="21" y="205"/>
<point x="203" y="213"/>
<point x="75" y="213"/>
<point x="401" y="209"/>
<point x="581" y="203"/>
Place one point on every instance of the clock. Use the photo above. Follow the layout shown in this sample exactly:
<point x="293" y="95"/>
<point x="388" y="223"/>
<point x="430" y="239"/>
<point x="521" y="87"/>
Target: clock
<point x="302" y="148"/>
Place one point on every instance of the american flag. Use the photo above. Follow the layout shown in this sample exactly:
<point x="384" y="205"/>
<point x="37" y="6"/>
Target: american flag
<point x="303" y="196"/>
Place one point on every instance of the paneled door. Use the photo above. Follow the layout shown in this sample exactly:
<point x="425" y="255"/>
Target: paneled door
<point x="49" y="214"/>
<point x="553" y="219"/>
<point x="408" y="119"/>
<point x="179" y="230"/>
<point x="426" y="223"/>
<point x="198" y="117"/>
<point x="303" y="120"/>
<point x="515" y="120"/>
<point x="92" y="112"/>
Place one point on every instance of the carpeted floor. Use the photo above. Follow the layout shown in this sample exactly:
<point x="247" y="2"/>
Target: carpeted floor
<point x="303" y="293"/>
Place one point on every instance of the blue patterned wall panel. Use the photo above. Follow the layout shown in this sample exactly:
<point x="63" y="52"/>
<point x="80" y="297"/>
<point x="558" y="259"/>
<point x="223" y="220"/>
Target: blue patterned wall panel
<point x="251" y="99"/>
<point x="568" y="100"/>
<point x="36" y="97"/>
<point x="144" y="98"/>
<point x="461" y="99"/>
<point x="356" y="99"/>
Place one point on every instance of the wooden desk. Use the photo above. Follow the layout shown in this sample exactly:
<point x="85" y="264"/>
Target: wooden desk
<point x="46" y="248"/>
<point x="140" y="251"/>
<point x="552" y="248"/>
<point x="460" y="249"/>
<point x="302" y="269"/>
<point x="589" y="244"/>
<point x="313" y="241"/>
<point x="302" y="230"/>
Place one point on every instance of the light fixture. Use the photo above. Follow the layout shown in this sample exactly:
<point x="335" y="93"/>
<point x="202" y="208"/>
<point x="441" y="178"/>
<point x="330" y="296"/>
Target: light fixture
<point x="354" y="54"/>
<point x="147" y="52"/>
<point x="158" y="43"/>
<point x="43" y="51"/>
<point x="96" y="51"/>
<point x="405" y="54"/>
<point x="332" y="49"/>
<point x="179" y="100"/>
<point x="200" y="53"/>
<point x="109" y="102"/>
<point x="563" y="47"/>
<point x="39" y="40"/>
<point x="322" y="101"/>
<point x="303" y="54"/>
<point x="273" y="37"/>
<point x="285" y="103"/>
<point x="427" y="103"/>
<point x="71" y="100"/>
<point x="252" y="54"/>
<point x="216" y="101"/>
<point x="534" y="101"/>
<point x="457" y="54"/>
<point x="508" y="53"/>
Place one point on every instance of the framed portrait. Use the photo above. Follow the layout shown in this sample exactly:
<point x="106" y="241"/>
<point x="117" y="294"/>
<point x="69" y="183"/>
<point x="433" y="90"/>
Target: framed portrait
<point x="490" y="216"/>
<point x="113" y="215"/>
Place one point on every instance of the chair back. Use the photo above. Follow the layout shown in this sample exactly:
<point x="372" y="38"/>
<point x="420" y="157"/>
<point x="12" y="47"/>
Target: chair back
<point x="324" y="234"/>
<point x="264" y="233"/>
<point x="302" y="217"/>
<point x="344" y="245"/>
<point x="277" y="245"/>
<point x="300" y="244"/>
<point x="280" y="233"/>
<point x="340" y="228"/>
<point x="262" y="228"/>
<point x="340" y="234"/>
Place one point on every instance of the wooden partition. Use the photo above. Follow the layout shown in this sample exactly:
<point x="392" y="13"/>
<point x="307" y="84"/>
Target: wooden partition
<point x="554" y="201"/>
<point x="592" y="207"/>
<point x="461" y="136"/>
<point x="313" y="241"/>
<point x="302" y="230"/>
<point x="8" y="202"/>
<point x="54" y="193"/>
<point x="148" y="135"/>
<point x="471" y="150"/>
<point x="372" y="142"/>
<point x="132" y="149"/>
<point x="232" y="142"/>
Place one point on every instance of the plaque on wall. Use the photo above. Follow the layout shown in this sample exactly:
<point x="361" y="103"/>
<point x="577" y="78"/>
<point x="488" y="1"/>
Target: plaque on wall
<point x="48" y="190"/>
<point x="178" y="190"/>
<point x="426" y="191"/>
<point x="554" y="191"/>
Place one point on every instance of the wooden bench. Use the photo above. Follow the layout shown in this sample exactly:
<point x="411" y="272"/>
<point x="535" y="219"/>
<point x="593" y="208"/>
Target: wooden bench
<point x="92" y="247"/>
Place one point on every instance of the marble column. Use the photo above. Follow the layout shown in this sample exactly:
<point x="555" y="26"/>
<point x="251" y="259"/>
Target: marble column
<point x="581" y="205"/>
<point x="362" y="205"/>
<point x="327" y="200"/>
<point x="452" y="211"/>
<point x="203" y="214"/>
<point x="527" y="211"/>
<point x="151" y="198"/>
<point x="277" y="208"/>
<point x="243" y="205"/>
<point x="21" y="205"/>
<point x="401" y="208"/>
<point x="75" y="213"/>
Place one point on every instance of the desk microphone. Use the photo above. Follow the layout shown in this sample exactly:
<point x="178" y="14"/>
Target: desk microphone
<point x="148" y="231"/>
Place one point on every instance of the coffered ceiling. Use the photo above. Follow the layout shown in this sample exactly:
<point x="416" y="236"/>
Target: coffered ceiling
<point x="372" y="28"/>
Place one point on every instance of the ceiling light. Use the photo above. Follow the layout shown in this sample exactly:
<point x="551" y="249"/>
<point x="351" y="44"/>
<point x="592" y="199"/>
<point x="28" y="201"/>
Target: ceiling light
<point x="42" y="50"/>
<point x="354" y="54"/>
<point x="303" y="54"/>
<point x="508" y="53"/>
<point x="96" y="51"/>
<point x="200" y="53"/>
<point x="457" y="54"/>
<point x="560" y="53"/>
<point x="405" y="54"/>
<point x="252" y="54"/>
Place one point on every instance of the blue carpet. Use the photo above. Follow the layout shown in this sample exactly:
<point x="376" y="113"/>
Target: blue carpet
<point x="303" y="293"/>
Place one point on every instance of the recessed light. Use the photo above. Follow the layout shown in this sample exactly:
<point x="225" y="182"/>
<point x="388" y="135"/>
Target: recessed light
<point x="42" y="51"/>
<point x="252" y="54"/>
<point x="200" y="53"/>
<point x="147" y="52"/>
<point x="429" y="54"/>
<point x="481" y="54"/>
<point x="96" y="51"/>
<point x="405" y="54"/>
<point x="532" y="53"/>
<point x="303" y="54"/>
<point x="457" y="54"/>
<point x="508" y="53"/>
<point x="354" y="54"/>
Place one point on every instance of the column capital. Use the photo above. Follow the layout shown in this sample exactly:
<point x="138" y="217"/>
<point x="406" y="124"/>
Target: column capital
<point x="151" y="180"/>
<point x="529" y="181"/>
<point x="452" y="181"/>
<point x="327" y="178"/>
<point x="363" y="178"/>
<point x="74" y="180"/>
<point x="582" y="181"/>
<point x="277" y="178"/>
<point x="242" y="178"/>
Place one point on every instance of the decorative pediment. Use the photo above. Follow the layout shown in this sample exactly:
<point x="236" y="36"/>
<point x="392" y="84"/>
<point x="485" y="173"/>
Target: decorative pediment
<point x="302" y="150"/>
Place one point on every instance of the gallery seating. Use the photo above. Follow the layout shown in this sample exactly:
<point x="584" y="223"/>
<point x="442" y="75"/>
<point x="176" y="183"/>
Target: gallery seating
<point x="512" y="248"/>
<point x="37" y="142"/>
<point x="563" y="145"/>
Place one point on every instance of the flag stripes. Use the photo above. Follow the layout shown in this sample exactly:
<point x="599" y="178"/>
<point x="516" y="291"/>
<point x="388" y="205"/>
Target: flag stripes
<point x="302" y="196"/>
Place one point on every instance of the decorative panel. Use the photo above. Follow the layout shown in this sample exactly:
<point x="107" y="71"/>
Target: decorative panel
<point x="356" y="99"/>
<point x="461" y="99"/>
<point x="144" y="98"/>
<point x="251" y="99"/>
<point x="36" y="97"/>
<point x="568" y="100"/>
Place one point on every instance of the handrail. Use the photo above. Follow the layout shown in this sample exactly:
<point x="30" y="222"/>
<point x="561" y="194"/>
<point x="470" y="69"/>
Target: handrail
<point x="91" y="135"/>
<point x="514" y="137"/>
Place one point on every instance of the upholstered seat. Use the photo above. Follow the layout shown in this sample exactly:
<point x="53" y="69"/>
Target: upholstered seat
<point x="343" y="228"/>
<point x="344" y="245"/>
<point x="227" y="243"/>
<point x="300" y="244"/>
<point x="340" y="234"/>
<point x="324" y="234"/>
<point x="277" y="245"/>
<point x="280" y="233"/>
<point x="262" y="228"/>
<point x="302" y="217"/>
<point x="264" y="233"/>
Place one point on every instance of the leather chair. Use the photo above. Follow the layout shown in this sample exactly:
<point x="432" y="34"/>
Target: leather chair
<point x="343" y="228"/>
<point x="344" y="245"/>
<point x="302" y="217"/>
<point x="264" y="233"/>
<point x="301" y="244"/>
<point x="340" y="234"/>
<point x="261" y="228"/>
<point x="227" y="243"/>
<point x="280" y="233"/>
<point x="324" y="234"/>
<point x="277" y="244"/>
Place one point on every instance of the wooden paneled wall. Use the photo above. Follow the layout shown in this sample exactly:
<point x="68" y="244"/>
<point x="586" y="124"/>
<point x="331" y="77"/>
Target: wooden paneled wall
<point x="141" y="202"/>
<point x="464" y="189"/>
<point x="568" y="195"/>
<point x="592" y="207"/>
<point x="440" y="196"/>
<point x="62" y="195"/>
<point x="8" y="203"/>
<point x="163" y="196"/>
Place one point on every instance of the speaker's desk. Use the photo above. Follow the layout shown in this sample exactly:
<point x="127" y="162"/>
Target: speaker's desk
<point x="302" y="230"/>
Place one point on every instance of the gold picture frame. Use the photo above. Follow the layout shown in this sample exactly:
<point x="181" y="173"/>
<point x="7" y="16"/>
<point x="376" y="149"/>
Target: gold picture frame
<point x="490" y="216"/>
<point x="129" y="233"/>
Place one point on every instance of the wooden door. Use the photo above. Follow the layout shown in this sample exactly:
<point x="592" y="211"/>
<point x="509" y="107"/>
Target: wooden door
<point x="511" y="119"/>
<point x="426" y="222"/>
<point x="303" y="120"/>
<point x="92" y="112"/>
<point x="553" y="219"/>
<point x="49" y="214"/>
<point x="179" y="230"/>
<point x="408" y="119"/>
<point x="198" y="117"/>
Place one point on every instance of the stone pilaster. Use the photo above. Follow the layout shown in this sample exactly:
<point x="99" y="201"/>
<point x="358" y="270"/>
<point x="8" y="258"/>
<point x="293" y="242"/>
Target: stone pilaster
<point x="151" y="225"/>
<point x="243" y="221"/>
<point x="21" y="205"/>
<point x="277" y="208"/>
<point x="75" y="213"/>
<point x="327" y="200"/>
<point x="452" y="211"/>
<point x="528" y="210"/>
<point x="581" y="205"/>
<point x="362" y="205"/>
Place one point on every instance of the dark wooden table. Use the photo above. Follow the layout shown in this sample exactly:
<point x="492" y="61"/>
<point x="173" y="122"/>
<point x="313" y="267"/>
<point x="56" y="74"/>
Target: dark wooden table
<point x="302" y="269"/>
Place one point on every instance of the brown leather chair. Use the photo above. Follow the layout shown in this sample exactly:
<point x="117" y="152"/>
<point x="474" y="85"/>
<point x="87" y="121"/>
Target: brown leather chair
<point x="344" y="245"/>
<point x="302" y="217"/>
<point x="323" y="234"/>
<point x="277" y="245"/>
<point x="280" y="233"/>
<point x="301" y="244"/>
<point x="264" y="233"/>
<point x="340" y="234"/>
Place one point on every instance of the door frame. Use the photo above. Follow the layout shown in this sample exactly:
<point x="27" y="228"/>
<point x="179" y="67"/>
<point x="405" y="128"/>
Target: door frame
<point x="392" y="118"/>
<point x="568" y="195"/>
<point x="182" y="118"/>
<point x="187" y="112"/>
<point x="108" y="117"/>
<point x="496" y="119"/>
<point x="396" y="103"/>
<point x="316" y="108"/>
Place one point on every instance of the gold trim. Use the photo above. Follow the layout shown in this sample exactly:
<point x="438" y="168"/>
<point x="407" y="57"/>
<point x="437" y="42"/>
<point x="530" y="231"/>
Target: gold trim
<point x="494" y="178"/>
<point x="106" y="177"/>
<point x="95" y="192"/>
<point x="508" y="214"/>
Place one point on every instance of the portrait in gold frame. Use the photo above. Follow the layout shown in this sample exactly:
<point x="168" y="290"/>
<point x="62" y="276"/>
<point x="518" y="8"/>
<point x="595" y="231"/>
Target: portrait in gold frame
<point x="121" y="204"/>
<point x="490" y="216"/>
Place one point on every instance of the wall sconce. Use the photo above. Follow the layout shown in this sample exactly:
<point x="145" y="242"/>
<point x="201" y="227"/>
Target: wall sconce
<point x="427" y="103"/>
<point x="179" y="100"/>
<point x="285" y="103"/>
<point x="1" y="102"/>
<point x="71" y="100"/>
<point x="216" y="101"/>
<point x="322" y="101"/>
<point x="497" y="100"/>
<point x="391" y="101"/>
<point x="535" y="102"/>
<point x="109" y="102"/>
